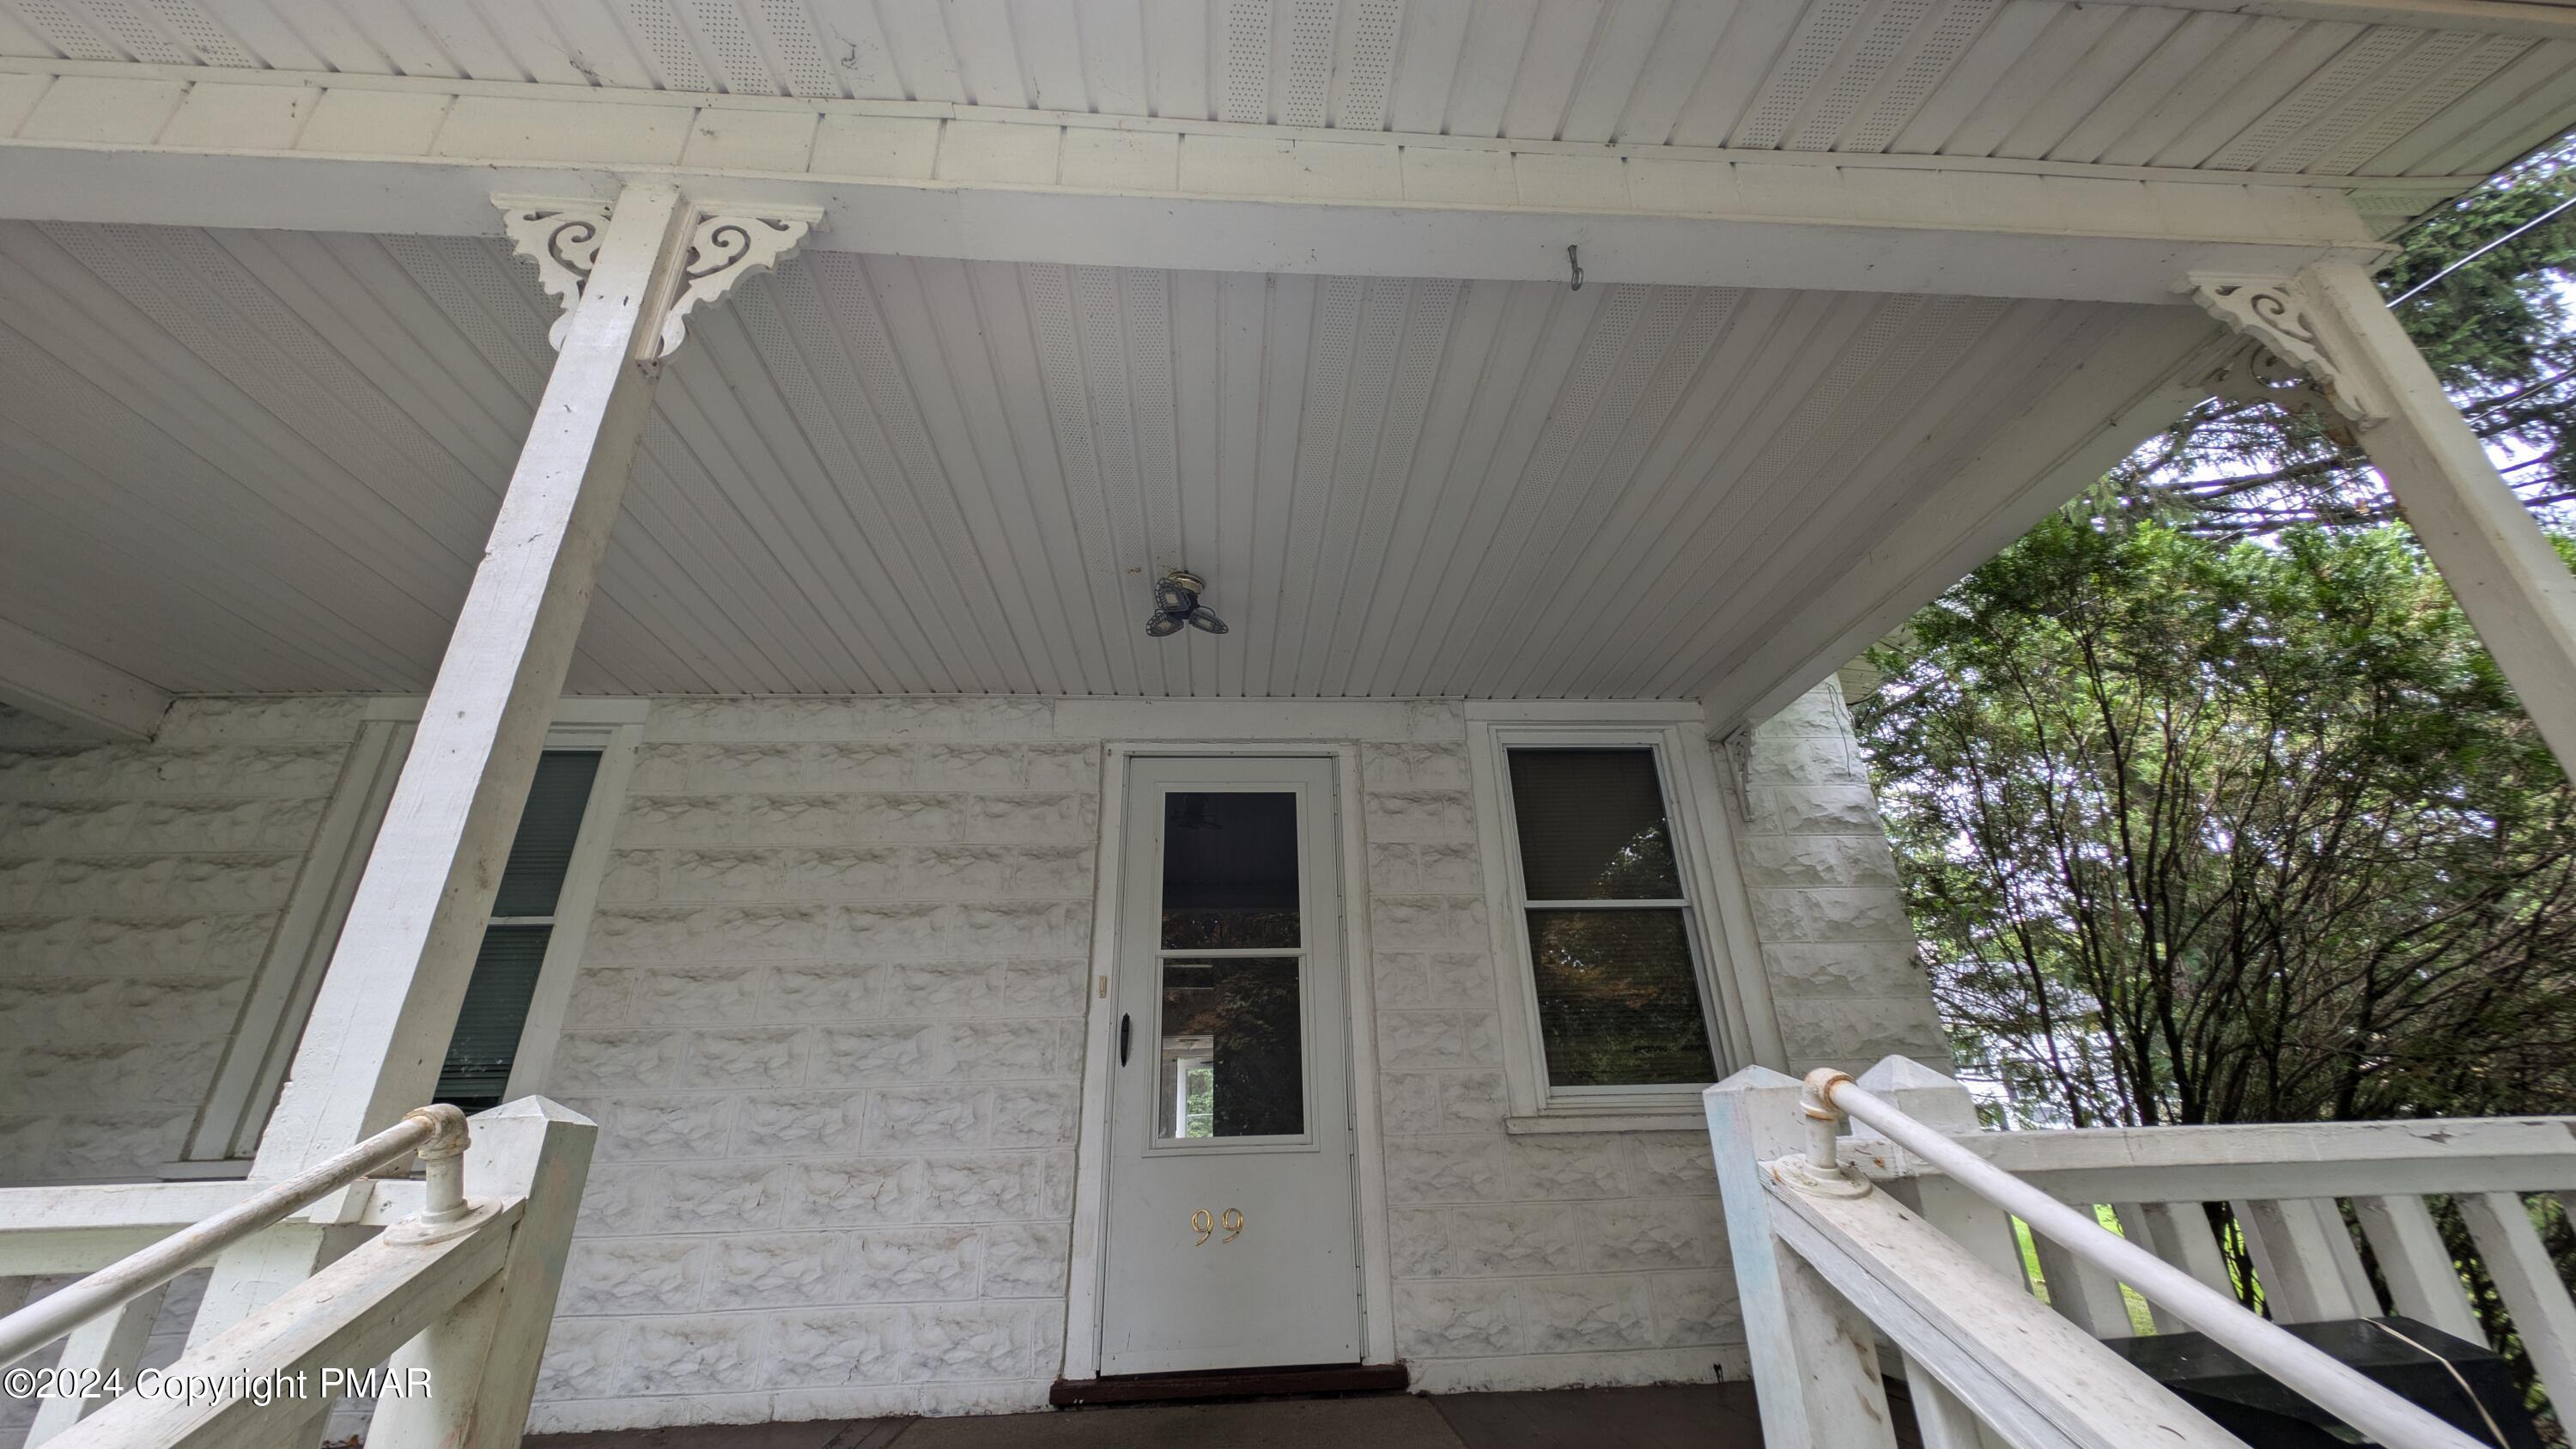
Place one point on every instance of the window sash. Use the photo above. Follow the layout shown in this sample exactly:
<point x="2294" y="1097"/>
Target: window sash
<point x="248" y="1081"/>
<point x="1603" y="1096"/>
<point x="1677" y="903"/>
<point x="483" y="1046"/>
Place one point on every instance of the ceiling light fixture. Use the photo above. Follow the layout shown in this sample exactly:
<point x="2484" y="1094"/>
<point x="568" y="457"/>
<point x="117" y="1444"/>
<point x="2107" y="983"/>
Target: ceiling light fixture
<point x="1176" y="602"/>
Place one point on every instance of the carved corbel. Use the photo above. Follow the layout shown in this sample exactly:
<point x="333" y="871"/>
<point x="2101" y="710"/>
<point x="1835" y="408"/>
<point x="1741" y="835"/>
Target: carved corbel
<point x="725" y="246"/>
<point x="1737" y="744"/>
<point x="562" y="238"/>
<point x="2291" y="359"/>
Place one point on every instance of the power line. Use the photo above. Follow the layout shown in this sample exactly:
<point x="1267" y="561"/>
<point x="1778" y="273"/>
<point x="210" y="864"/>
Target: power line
<point x="2482" y="251"/>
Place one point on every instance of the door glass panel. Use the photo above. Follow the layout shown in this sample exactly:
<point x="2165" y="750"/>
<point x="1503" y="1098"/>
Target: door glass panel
<point x="1229" y="870"/>
<point x="1231" y="1062"/>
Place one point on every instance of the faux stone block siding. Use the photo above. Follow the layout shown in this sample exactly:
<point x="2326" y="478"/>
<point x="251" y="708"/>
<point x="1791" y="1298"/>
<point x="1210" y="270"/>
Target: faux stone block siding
<point x="1520" y="1261"/>
<point x="830" y="1025"/>
<point x="139" y="887"/>
<point x="1841" y="955"/>
<point x="1527" y="1261"/>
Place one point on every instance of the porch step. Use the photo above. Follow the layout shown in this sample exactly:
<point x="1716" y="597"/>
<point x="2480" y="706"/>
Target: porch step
<point x="1693" y="1416"/>
<point x="1344" y="1378"/>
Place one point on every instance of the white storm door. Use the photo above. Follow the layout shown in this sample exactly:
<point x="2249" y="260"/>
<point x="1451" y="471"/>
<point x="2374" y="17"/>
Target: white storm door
<point x="1232" y="1237"/>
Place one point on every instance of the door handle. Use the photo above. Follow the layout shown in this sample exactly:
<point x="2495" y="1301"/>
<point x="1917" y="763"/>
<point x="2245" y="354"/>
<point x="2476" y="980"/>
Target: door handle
<point x="1126" y="1029"/>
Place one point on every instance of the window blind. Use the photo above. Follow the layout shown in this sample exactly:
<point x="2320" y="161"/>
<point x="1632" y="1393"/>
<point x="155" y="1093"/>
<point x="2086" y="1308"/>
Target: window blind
<point x="485" y="1043"/>
<point x="541" y="852"/>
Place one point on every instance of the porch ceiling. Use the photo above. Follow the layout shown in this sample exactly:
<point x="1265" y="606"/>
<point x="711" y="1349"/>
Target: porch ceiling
<point x="2193" y="84"/>
<point x="266" y="461"/>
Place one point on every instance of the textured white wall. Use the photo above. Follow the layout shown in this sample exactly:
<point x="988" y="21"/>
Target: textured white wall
<point x="139" y="887"/>
<point x="1826" y="904"/>
<point x="1544" y="1260"/>
<point x="830" y="1024"/>
<point x="1520" y="1262"/>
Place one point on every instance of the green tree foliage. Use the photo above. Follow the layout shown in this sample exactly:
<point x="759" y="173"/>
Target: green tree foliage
<point x="2209" y="804"/>
<point x="2199" y="831"/>
<point x="2496" y="330"/>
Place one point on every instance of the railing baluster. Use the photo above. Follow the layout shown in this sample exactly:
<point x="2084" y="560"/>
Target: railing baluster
<point x="2345" y="1250"/>
<point x="2422" y="1280"/>
<point x="2179" y="1233"/>
<point x="2085" y="1294"/>
<point x="110" y="1344"/>
<point x="2295" y="1263"/>
<point x="1881" y="1261"/>
<point x="2133" y="1226"/>
<point x="1943" y="1421"/>
<point x="2525" y="1278"/>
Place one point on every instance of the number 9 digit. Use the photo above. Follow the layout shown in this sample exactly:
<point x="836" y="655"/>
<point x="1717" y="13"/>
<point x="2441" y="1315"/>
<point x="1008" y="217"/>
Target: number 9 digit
<point x="1203" y="1224"/>
<point x="1233" y="1224"/>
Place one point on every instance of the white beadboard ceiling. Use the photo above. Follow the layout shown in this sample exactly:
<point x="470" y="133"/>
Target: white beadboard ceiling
<point x="266" y="461"/>
<point x="2121" y="83"/>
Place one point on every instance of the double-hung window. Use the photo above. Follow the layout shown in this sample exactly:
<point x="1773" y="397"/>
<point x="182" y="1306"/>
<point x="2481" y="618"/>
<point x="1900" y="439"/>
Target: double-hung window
<point x="1616" y="978"/>
<point x="1600" y="908"/>
<point x="485" y="1045"/>
<point x="531" y="946"/>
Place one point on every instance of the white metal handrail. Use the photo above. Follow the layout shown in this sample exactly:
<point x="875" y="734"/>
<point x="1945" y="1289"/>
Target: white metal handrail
<point x="2373" y="1410"/>
<point x="437" y="1133"/>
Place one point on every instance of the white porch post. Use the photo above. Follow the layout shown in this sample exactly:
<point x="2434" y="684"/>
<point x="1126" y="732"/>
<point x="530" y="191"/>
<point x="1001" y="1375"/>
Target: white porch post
<point x="379" y="1026"/>
<point x="2332" y="323"/>
<point x="1815" y="1356"/>
<point x="380" y="1023"/>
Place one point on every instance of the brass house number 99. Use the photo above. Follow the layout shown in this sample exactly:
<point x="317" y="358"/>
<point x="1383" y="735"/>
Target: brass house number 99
<point x="1205" y="1224"/>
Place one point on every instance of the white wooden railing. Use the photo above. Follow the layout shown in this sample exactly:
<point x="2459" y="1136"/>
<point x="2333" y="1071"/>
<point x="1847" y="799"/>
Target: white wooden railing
<point x="1903" y="1232"/>
<point x="453" y="1298"/>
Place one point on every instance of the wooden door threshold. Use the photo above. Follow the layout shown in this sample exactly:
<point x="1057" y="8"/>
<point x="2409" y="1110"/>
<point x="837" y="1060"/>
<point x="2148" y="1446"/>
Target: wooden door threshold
<point x="1252" y="1383"/>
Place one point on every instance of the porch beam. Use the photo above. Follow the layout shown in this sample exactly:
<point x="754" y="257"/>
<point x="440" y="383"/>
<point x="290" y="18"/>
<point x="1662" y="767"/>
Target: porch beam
<point x="2332" y="324"/>
<point x="89" y="141"/>
<point x="2138" y="382"/>
<point x="55" y="682"/>
<point x="2546" y="20"/>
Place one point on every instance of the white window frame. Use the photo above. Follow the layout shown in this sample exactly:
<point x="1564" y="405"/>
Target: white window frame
<point x="1734" y="996"/>
<point x="262" y="1045"/>
<point x="542" y="1030"/>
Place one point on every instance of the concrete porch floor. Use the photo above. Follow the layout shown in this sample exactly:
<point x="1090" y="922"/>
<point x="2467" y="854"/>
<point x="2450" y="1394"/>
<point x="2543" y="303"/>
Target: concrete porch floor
<point x="1712" y="1416"/>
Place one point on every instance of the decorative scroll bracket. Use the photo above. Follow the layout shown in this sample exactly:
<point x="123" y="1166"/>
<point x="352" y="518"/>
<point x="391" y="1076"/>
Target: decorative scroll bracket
<point x="2292" y="360"/>
<point x="1738" y="746"/>
<point x="725" y="246"/>
<point x="562" y="238"/>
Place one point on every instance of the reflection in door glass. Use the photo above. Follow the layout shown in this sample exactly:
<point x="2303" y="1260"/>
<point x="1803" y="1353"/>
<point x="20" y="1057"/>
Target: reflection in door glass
<point x="1229" y="870"/>
<point x="1231" y="1062"/>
